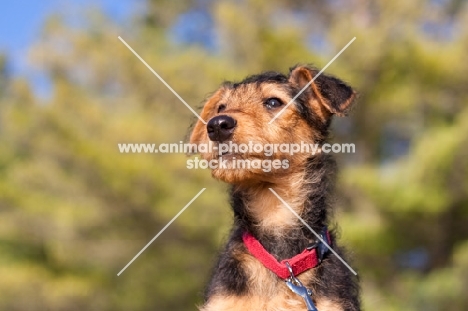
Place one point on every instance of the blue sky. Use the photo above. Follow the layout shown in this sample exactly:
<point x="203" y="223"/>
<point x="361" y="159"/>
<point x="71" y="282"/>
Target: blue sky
<point x="21" y="21"/>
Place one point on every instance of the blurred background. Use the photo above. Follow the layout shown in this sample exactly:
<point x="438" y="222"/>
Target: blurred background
<point x="74" y="211"/>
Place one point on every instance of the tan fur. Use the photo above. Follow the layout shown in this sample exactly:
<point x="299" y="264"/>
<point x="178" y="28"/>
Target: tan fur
<point x="245" y="103"/>
<point x="199" y="134"/>
<point x="269" y="211"/>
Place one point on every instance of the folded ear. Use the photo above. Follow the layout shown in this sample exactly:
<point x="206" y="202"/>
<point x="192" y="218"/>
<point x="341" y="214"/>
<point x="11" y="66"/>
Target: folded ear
<point x="331" y="93"/>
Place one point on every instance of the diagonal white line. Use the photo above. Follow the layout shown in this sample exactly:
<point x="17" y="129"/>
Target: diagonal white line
<point x="162" y="80"/>
<point x="162" y="230"/>
<point x="312" y="230"/>
<point x="311" y="81"/>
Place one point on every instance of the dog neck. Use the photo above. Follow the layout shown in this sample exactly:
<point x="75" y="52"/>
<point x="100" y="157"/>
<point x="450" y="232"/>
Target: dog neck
<point x="258" y="210"/>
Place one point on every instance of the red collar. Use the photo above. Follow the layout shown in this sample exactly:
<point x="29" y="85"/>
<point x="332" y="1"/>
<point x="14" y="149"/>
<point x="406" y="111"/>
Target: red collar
<point x="304" y="261"/>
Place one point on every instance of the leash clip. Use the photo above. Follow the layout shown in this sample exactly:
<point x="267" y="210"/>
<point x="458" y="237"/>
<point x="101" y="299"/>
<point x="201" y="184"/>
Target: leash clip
<point x="292" y="278"/>
<point x="296" y="286"/>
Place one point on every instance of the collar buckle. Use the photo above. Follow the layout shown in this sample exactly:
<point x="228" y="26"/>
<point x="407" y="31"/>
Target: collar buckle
<point x="320" y="247"/>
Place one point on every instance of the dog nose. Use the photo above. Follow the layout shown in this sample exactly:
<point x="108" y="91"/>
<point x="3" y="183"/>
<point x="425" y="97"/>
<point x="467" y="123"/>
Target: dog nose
<point x="220" y="128"/>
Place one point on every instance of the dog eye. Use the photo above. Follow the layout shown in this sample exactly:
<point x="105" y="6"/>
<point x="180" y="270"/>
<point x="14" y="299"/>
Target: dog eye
<point x="272" y="103"/>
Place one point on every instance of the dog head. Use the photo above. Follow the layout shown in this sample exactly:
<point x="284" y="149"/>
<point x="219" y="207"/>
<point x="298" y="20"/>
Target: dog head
<point x="260" y="111"/>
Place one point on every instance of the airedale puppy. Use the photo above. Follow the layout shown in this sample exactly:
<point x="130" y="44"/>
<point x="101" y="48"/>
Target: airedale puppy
<point x="272" y="261"/>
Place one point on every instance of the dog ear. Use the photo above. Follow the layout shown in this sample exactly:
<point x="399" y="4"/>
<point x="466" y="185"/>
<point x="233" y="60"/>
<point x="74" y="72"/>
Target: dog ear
<point x="332" y="94"/>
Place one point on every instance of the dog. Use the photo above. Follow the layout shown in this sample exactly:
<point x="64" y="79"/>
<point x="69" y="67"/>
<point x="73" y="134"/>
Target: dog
<point x="272" y="261"/>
